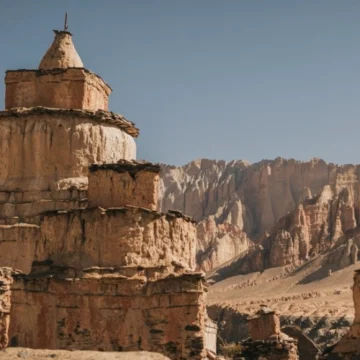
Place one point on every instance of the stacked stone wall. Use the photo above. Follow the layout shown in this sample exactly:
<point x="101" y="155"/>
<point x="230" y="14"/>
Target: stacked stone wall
<point x="269" y="350"/>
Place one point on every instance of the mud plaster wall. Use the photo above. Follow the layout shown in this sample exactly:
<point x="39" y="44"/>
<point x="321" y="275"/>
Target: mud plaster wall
<point x="111" y="314"/>
<point x="262" y="327"/>
<point x="108" y="188"/>
<point x="92" y="237"/>
<point x="18" y="245"/>
<point x="72" y="88"/>
<point x="28" y="204"/>
<point x="116" y="237"/>
<point x="52" y="151"/>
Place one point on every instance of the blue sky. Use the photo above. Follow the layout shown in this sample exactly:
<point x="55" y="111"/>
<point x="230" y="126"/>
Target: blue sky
<point x="218" y="79"/>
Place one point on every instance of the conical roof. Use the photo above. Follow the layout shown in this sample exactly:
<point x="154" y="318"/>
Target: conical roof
<point x="62" y="53"/>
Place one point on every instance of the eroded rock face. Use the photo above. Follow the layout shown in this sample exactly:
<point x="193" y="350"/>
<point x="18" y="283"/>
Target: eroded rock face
<point x="5" y="305"/>
<point x="313" y="227"/>
<point x="217" y="243"/>
<point x="252" y="197"/>
<point x="305" y="206"/>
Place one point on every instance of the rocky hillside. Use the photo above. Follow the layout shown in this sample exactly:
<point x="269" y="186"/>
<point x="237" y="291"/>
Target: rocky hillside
<point x="293" y="209"/>
<point x="316" y="297"/>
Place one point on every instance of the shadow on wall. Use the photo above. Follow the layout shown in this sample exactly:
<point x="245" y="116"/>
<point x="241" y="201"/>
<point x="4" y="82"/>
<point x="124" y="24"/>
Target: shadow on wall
<point x="308" y="350"/>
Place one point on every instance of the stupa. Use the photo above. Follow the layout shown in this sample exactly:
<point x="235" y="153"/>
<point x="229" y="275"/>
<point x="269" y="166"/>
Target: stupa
<point x="98" y="266"/>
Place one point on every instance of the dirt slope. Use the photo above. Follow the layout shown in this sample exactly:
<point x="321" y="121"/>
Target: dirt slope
<point x="31" y="354"/>
<point x="307" y="296"/>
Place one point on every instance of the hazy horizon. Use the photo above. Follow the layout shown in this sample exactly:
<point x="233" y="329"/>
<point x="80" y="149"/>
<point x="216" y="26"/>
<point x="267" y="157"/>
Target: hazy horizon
<point x="212" y="79"/>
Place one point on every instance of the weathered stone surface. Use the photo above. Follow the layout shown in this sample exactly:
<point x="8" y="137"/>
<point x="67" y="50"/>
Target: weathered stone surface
<point x="264" y="324"/>
<point x="217" y="243"/>
<point x="26" y="205"/>
<point x="313" y="227"/>
<point x="316" y="225"/>
<point x="116" y="237"/>
<point x="269" y="350"/>
<point x="62" y="53"/>
<point x="116" y="275"/>
<point x="60" y="82"/>
<point x="348" y="348"/>
<point x="164" y="315"/>
<point x="124" y="183"/>
<point x="53" y="149"/>
<point x="18" y="244"/>
<point x="267" y="341"/>
<point x="306" y="347"/>
<point x="257" y="197"/>
<point x="113" y="237"/>
<point x="5" y="305"/>
<point x="71" y="88"/>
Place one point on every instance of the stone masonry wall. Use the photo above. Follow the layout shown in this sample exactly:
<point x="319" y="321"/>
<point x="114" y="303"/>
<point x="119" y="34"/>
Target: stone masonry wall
<point x="118" y="185"/>
<point x="71" y="88"/>
<point x="5" y="305"/>
<point x="111" y="312"/>
<point x="269" y="350"/>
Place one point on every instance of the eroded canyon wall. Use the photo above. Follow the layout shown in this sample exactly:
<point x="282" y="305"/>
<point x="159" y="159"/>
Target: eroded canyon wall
<point x="255" y="198"/>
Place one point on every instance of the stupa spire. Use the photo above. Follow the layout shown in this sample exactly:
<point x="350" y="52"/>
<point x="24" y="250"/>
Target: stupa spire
<point x="62" y="52"/>
<point x="65" y="23"/>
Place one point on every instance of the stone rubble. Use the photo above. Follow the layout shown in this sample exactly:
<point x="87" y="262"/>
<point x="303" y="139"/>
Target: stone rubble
<point x="266" y="340"/>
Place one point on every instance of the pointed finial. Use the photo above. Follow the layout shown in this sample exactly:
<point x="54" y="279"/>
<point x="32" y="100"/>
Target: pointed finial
<point x="65" y="23"/>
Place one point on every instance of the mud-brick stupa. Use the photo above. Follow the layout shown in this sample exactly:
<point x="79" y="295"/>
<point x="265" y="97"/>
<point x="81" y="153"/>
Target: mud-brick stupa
<point x="95" y="265"/>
